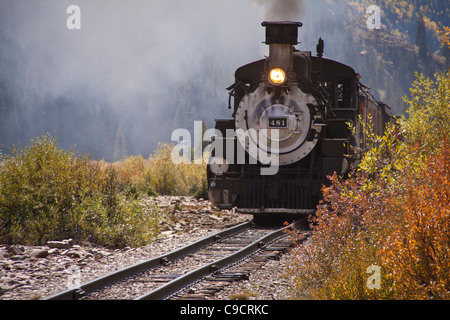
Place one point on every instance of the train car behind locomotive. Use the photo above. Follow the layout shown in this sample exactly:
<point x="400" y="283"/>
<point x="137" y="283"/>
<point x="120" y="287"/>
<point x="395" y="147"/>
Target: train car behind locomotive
<point x="302" y="105"/>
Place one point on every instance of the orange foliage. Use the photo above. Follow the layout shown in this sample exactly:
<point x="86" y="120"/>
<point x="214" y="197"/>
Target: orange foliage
<point x="133" y="170"/>
<point x="400" y="224"/>
<point x="392" y="213"/>
<point x="417" y="252"/>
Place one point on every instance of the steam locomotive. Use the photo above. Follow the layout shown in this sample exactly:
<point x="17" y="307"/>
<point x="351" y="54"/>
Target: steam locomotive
<point x="302" y="105"/>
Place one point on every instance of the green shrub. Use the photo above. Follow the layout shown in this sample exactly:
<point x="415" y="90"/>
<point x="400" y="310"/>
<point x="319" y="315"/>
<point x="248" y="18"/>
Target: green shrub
<point x="47" y="193"/>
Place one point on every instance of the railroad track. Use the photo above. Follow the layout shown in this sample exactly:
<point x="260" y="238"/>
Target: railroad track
<point x="164" y="276"/>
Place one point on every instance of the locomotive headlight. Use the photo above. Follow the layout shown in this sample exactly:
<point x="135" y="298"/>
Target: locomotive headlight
<point x="277" y="76"/>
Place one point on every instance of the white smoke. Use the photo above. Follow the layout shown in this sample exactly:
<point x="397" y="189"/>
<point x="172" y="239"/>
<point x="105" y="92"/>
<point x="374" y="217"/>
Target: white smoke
<point x="280" y="10"/>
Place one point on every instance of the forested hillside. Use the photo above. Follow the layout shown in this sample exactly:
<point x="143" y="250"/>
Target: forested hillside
<point x="136" y="71"/>
<point x="400" y="17"/>
<point x="386" y="58"/>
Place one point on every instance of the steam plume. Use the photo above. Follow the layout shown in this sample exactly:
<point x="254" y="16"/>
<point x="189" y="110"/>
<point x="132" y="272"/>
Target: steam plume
<point x="279" y="10"/>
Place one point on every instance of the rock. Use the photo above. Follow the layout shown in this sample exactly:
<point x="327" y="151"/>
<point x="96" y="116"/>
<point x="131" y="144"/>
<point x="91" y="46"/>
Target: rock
<point x="213" y="217"/>
<point x="105" y="253"/>
<point x="16" y="250"/>
<point x="39" y="253"/>
<point x="21" y="265"/>
<point x="18" y="257"/>
<point x="98" y="254"/>
<point x="53" y="251"/>
<point x="89" y="256"/>
<point x="73" y="254"/>
<point x="5" y="288"/>
<point x="58" y="244"/>
<point x="167" y="233"/>
<point x="4" y="255"/>
<point x="178" y="227"/>
<point x="6" y="266"/>
<point x="19" y="282"/>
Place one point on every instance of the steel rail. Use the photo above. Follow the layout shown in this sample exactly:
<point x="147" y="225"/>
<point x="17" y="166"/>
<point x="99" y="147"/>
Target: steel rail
<point x="183" y="281"/>
<point x="95" y="284"/>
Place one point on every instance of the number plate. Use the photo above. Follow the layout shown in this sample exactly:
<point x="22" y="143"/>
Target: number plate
<point x="278" y="122"/>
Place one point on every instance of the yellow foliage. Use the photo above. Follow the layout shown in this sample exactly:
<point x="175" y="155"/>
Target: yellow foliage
<point x="445" y="35"/>
<point x="173" y="179"/>
<point x="428" y="121"/>
<point x="158" y="174"/>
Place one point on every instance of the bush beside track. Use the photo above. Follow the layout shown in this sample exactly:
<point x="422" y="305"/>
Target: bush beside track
<point x="47" y="193"/>
<point x="393" y="212"/>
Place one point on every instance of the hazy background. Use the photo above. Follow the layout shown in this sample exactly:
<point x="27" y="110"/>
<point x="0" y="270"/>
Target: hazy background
<point x="148" y="67"/>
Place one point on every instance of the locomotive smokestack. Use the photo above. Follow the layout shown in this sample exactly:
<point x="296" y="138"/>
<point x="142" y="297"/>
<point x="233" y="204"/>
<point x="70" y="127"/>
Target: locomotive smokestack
<point x="281" y="36"/>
